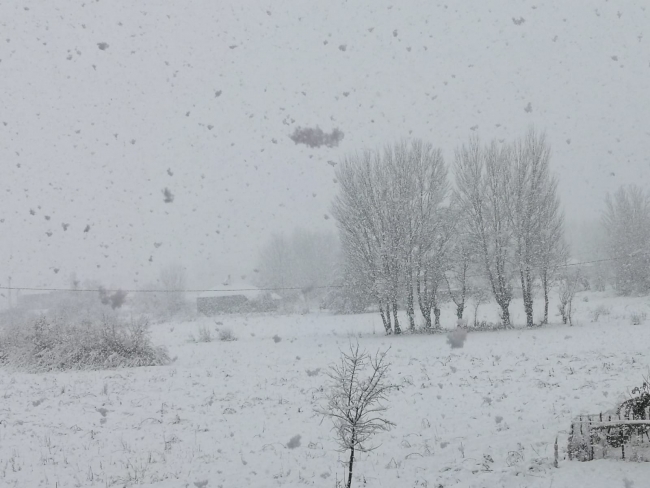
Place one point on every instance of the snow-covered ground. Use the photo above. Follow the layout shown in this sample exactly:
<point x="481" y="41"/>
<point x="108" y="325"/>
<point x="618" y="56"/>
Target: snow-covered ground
<point x="485" y="415"/>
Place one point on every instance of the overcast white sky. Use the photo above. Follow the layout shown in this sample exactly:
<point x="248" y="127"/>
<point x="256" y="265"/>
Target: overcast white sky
<point x="200" y="97"/>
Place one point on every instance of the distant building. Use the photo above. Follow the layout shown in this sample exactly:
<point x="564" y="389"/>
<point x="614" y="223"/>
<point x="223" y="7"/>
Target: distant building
<point x="235" y="297"/>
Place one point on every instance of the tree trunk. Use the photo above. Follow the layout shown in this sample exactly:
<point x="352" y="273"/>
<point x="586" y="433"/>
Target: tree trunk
<point x="410" y="307"/>
<point x="478" y="304"/>
<point x="528" y="305"/>
<point x="500" y="288"/>
<point x="427" y="320"/>
<point x="397" y="328"/>
<point x="423" y="300"/>
<point x="505" y="314"/>
<point x="527" y="293"/>
<point x="385" y="318"/>
<point x="562" y="309"/>
<point x="436" y="313"/>
<point x="460" y="307"/>
<point x="545" y="287"/>
<point x="433" y="301"/>
<point x="353" y="439"/>
<point x="459" y="301"/>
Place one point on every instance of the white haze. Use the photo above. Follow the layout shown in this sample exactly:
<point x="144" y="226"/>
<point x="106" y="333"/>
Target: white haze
<point x="200" y="98"/>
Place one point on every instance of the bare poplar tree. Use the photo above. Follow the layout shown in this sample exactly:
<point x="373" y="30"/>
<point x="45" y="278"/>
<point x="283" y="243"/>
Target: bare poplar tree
<point x="355" y="401"/>
<point x="509" y="199"/>
<point x="460" y="261"/>
<point x="552" y="246"/>
<point x="361" y="217"/>
<point x="532" y="191"/>
<point x="482" y="186"/>
<point x="432" y="266"/>
<point x="626" y="221"/>
<point x="386" y="212"/>
<point x="424" y="217"/>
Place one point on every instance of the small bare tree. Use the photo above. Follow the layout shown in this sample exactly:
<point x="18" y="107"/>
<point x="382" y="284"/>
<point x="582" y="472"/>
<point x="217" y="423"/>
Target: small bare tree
<point x="568" y="287"/>
<point x="552" y="247"/>
<point x="355" y="402"/>
<point x="480" y="295"/>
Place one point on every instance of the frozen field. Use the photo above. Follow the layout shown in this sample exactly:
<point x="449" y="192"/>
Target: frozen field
<point x="486" y="415"/>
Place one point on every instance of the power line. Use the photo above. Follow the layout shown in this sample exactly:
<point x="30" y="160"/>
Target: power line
<point x="282" y="288"/>
<point x="97" y="290"/>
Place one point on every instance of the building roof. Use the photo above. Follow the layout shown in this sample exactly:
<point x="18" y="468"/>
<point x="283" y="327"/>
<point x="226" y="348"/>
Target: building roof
<point x="233" y="287"/>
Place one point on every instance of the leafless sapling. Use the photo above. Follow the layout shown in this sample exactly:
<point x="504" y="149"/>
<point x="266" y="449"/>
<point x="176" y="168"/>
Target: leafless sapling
<point x="356" y="400"/>
<point x="569" y="282"/>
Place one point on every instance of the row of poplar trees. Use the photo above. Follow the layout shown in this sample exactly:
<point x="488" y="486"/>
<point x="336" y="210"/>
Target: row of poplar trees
<point x="408" y="234"/>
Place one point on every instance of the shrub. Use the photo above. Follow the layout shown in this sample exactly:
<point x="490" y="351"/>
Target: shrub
<point x="598" y="311"/>
<point x="637" y="318"/>
<point x="226" y="335"/>
<point x="204" y="334"/>
<point x="52" y="344"/>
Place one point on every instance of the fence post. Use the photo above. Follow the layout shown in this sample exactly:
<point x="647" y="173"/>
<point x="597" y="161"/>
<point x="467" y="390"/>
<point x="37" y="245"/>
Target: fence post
<point x="609" y="430"/>
<point x="591" y="439"/>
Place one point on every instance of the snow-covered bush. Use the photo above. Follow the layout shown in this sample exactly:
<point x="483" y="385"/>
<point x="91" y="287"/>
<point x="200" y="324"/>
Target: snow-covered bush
<point x="637" y="318"/>
<point x="226" y="335"/>
<point x="204" y="334"/>
<point x="48" y="344"/>
<point x="598" y="311"/>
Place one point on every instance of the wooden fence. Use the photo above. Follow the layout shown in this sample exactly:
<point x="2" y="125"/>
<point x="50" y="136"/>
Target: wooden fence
<point x="610" y="435"/>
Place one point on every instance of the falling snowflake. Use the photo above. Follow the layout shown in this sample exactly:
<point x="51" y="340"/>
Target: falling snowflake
<point x="169" y="196"/>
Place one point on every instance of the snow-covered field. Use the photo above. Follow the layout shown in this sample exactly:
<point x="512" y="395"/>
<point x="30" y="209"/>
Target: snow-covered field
<point x="486" y="415"/>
